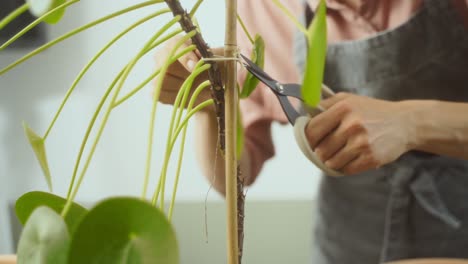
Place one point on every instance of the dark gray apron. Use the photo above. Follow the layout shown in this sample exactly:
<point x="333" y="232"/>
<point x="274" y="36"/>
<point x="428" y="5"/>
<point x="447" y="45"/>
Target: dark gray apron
<point x="417" y="206"/>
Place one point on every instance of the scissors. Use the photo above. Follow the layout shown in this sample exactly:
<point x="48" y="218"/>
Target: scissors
<point x="299" y="120"/>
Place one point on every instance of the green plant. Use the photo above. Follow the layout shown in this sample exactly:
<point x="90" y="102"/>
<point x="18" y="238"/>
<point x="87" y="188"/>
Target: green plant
<point x="316" y="35"/>
<point x="58" y="230"/>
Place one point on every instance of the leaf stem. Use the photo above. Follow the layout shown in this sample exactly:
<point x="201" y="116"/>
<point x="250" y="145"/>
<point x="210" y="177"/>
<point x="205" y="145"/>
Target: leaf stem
<point x="195" y="110"/>
<point x="176" y="57"/>
<point x="179" y="104"/>
<point x="157" y="92"/>
<point x="198" y="90"/>
<point x="88" y="130"/>
<point x="85" y="139"/>
<point x="152" y="76"/>
<point x="125" y="74"/>
<point x="75" y="31"/>
<point x="177" y="132"/>
<point x="195" y="7"/>
<point x="93" y="60"/>
<point x="19" y="11"/>
<point x="241" y="22"/>
<point x="290" y="16"/>
<point x="186" y="90"/>
<point x="35" y="23"/>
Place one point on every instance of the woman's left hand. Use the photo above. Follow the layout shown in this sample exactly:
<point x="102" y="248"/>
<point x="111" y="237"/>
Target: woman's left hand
<point x="358" y="133"/>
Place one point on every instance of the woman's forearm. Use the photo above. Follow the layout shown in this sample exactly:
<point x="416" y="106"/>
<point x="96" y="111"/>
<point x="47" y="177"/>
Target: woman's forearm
<point x="206" y="144"/>
<point x="439" y="127"/>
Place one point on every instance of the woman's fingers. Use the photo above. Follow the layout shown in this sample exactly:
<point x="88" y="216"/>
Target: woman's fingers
<point x="189" y="60"/>
<point x="330" y="145"/>
<point x="331" y="101"/>
<point x="179" y="71"/>
<point x="324" y="123"/>
<point x="360" y="164"/>
<point x="343" y="157"/>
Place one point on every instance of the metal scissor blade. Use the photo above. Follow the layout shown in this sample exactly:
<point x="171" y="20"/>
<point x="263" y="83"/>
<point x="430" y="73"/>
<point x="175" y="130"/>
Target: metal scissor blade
<point x="259" y="73"/>
<point x="281" y="91"/>
<point x="288" y="109"/>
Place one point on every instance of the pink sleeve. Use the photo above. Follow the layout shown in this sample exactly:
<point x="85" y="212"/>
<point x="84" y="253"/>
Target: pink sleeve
<point x="262" y="108"/>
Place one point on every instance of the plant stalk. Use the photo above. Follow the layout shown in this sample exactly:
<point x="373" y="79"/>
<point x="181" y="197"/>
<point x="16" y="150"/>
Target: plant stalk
<point x="16" y="13"/>
<point x="217" y="91"/>
<point x="67" y="35"/>
<point x="231" y="99"/>
<point x="92" y="61"/>
<point x="107" y="114"/>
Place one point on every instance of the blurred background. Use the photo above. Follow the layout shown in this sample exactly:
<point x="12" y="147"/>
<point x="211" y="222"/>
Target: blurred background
<point x="279" y="204"/>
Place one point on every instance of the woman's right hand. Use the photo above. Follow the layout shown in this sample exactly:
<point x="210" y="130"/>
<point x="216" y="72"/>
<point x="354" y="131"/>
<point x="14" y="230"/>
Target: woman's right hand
<point x="178" y="72"/>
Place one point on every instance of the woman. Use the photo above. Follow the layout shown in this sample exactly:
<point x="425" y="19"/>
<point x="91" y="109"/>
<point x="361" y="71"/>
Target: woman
<point x="398" y="128"/>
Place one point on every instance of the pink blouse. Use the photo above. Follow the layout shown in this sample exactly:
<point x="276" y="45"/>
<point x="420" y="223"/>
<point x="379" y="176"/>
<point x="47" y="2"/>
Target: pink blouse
<point x="347" y="20"/>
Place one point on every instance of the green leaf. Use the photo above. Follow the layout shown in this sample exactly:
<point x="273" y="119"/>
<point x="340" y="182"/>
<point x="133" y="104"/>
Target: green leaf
<point x="37" y="143"/>
<point x="45" y="239"/>
<point x="124" y="230"/>
<point x="40" y="7"/>
<point x="317" y="48"/>
<point x="257" y="57"/>
<point x="27" y="203"/>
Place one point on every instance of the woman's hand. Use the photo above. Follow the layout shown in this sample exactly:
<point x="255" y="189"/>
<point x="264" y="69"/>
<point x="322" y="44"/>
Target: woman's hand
<point x="357" y="133"/>
<point x="178" y="72"/>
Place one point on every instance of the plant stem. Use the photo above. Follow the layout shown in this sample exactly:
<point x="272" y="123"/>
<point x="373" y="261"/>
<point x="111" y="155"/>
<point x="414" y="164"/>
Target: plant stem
<point x="157" y="92"/>
<point x="155" y="73"/>
<point x="125" y="74"/>
<point x="93" y="120"/>
<point x="198" y="90"/>
<point x="231" y="98"/>
<point x="179" y="103"/>
<point x="181" y="126"/>
<point x="241" y="22"/>
<point x="187" y="117"/>
<point x="240" y="211"/>
<point x="89" y="129"/>
<point x="92" y="61"/>
<point x="19" y="11"/>
<point x="217" y="91"/>
<point x="290" y="16"/>
<point x="176" y="103"/>
<point x="199" y="107"/>
<point x="195" y="8"/>
<point x="176" y="57"/>
<point x="74" y="32"/>
<point x="36" y="22"/>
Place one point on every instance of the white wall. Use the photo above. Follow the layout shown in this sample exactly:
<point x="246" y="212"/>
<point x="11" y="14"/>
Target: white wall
<point x="33" y="91"/>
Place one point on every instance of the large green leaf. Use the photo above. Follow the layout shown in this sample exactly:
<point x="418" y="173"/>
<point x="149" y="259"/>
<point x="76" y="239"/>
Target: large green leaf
<point x="125" y="231"/>
<point x="40" y="7"/>
<point x="257" y="57"/>
<point x="45" y="239"/>
<point x="315" y="65"/>
<point x="38" y="145"/>
<point x="27" y="203"/>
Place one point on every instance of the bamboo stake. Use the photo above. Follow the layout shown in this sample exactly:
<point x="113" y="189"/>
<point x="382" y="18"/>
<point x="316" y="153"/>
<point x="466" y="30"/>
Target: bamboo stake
<point x="231" y="98"/>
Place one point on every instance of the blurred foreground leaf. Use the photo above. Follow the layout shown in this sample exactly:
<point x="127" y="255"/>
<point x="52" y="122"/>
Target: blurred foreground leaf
<point x="45" y="238"/>
<point x="315" y="65"/>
